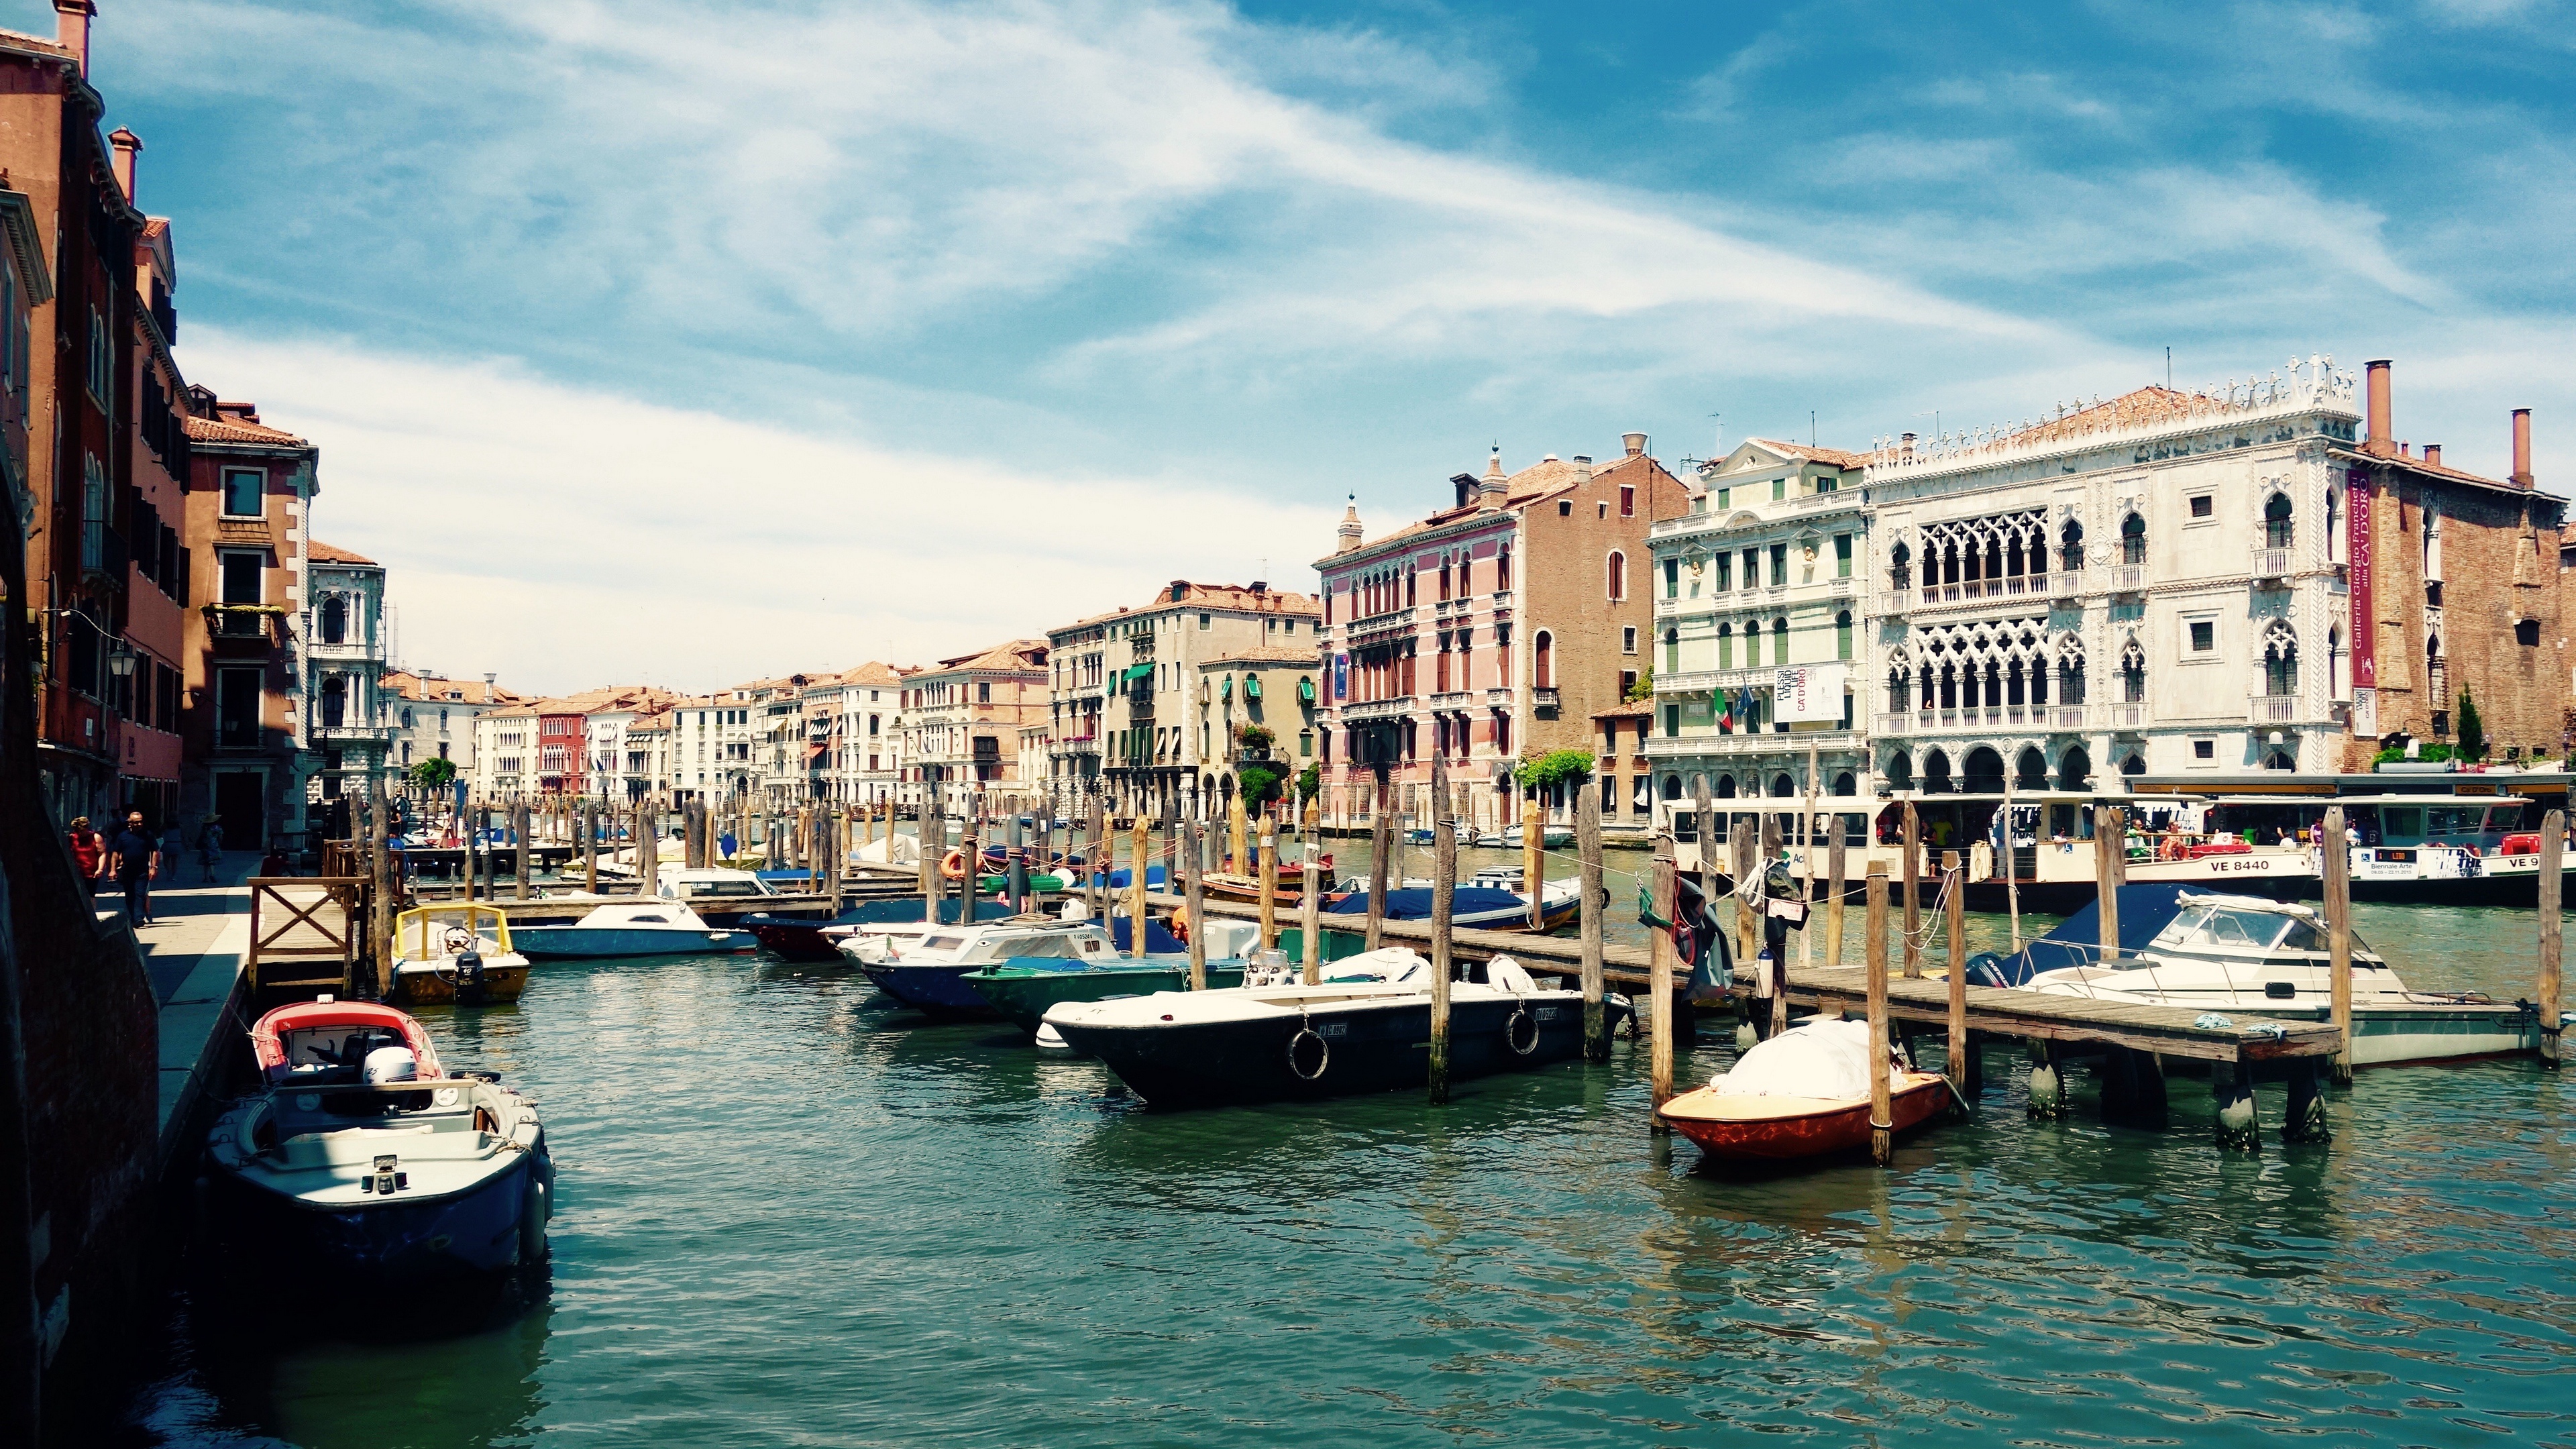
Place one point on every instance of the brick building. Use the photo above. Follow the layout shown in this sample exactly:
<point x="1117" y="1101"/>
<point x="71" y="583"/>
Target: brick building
<point x="963" y="716"/>
<point x="1490" y="631"/>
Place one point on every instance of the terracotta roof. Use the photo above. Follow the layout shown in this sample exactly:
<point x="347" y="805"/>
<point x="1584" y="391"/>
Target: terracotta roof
<point x="2445" y="472"/>
<point x="321" y="552"/>
<point x="1534" y="484"/>
<point x="1835" y="457"/>
<point x="1011" y="656"/>
<point x="1212" y="596"/>
<point x="1636" y="709"/>
<point x="238" y="429"/>
<point x="656" y="723"/>
<point x="433" y="687"/>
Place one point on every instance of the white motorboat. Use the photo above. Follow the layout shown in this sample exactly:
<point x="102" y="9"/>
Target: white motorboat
<point x="629" y="927"/>
<point x="2250" y="955"/>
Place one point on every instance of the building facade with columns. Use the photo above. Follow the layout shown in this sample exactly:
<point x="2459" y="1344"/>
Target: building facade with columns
<point x="1760" y="649"/>
<point x="1488" y="632"/>
<point x="351" y="723"/>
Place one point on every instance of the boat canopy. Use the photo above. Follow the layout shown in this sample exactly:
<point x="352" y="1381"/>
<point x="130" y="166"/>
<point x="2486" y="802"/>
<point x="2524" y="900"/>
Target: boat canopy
<point x="2145" y="911"/>
<point x="1414" y="904"/>
<point x="274" y="1037"/>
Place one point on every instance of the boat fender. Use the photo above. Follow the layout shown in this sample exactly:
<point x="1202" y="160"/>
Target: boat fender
<point x="1307" y="1044"/>
<point x="1519" y="1024"/>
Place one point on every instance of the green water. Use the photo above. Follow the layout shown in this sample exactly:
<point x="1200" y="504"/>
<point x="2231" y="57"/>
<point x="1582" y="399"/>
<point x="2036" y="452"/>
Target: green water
<point x="792" y="1215"/>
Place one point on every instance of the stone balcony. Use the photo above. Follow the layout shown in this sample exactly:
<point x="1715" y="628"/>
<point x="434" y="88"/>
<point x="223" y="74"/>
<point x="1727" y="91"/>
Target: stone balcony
<point x="2054" y="717"/>
<point x="1362" y="711"/>
<point x="1762" y="742"/>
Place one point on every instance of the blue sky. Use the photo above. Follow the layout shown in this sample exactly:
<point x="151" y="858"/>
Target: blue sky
<point x="703" y="342"/>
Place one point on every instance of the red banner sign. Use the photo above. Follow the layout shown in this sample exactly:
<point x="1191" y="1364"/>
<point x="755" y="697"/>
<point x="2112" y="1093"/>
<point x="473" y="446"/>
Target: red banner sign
<point x="2365" y="623"/>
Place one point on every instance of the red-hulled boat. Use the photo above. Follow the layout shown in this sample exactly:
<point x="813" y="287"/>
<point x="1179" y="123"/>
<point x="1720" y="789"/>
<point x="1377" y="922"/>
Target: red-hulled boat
<point x="1781" y="1129"/>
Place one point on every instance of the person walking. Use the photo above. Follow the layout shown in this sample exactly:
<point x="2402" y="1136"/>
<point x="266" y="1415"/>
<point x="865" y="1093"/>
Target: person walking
<point x="89" y="853"/>
<point x="134" y="861"/>
<point x="210" y="848"/>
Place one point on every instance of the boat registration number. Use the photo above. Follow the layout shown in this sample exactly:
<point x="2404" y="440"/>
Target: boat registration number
<point x="1334" y="1029"/>
<point x="1545" y="1013"/>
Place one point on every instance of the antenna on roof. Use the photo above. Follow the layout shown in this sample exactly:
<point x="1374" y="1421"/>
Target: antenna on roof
<point x="1717" y="444"/>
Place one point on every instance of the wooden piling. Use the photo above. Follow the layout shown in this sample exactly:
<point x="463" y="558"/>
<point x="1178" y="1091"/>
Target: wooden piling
<point x="1444" y="887"/>
<point x="1194" y="899"/>
<point x="1381" y="857"/>
<point x="1138" y="844"/>
<point x="1533" y="856"/>
<point x="1704" y="832"/>
<point x="1882" y="1120"/>
<point x="1267" y="879"/>
<point x="1913" y="894"/>
<point x="1961" y="1062"/>
<point x="590" y="848"/>
<point x="1310" y="904"/>
<point x="1740" y="869"/>
<point x="2108" y="860"/>
<point x="2553" y="845"/>
<point x="1235" y="862"/>
<point x="1587" y="845"/>
<point x="1659" y="989"/>
<point x="2335" y="860"/>
<point x="380" y="894"/>
<point x="1780" y="972"/>
<point x="1834" y="881"/>
<point x="526" y="847"/>
<point x="648" y="851"/>
<point x="1807" y="863"/>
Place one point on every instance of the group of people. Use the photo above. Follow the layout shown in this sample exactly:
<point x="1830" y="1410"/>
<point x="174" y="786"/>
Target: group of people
<point x="134" y="859"/>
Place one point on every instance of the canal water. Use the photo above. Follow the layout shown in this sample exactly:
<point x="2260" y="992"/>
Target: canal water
<point x="793" y="1215"/>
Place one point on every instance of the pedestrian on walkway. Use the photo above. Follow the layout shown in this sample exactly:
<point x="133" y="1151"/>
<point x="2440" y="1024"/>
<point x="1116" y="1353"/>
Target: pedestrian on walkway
<point x="89" y="853"/>
<point x="210" y="848"/>
<point x="132" y="859"/>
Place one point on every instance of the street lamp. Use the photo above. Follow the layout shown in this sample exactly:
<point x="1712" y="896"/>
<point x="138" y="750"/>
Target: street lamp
<point x="120" y="661"/>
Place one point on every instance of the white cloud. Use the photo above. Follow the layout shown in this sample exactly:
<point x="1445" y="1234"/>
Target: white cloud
<point x="566" y="537"/>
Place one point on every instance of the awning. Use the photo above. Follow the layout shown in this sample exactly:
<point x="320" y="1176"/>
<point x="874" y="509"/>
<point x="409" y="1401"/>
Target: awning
<point x="1141" y="671"/>
<point x="1251" y="686"/>
<point x="1305" y="691"/>
<point x="1225" y="687"/>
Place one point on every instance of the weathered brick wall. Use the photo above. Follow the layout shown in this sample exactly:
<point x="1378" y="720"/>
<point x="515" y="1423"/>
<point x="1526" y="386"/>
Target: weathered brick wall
<point x="2500" y="620"/>
<point x="1567" y="593"/>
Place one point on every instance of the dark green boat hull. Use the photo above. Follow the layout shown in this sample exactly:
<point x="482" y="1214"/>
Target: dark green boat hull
<point x="1022" y="994"/>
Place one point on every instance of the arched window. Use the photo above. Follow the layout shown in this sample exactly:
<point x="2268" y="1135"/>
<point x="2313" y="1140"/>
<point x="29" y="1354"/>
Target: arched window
<point x="1444" y="577"/>
<point x="2133" y="673"/>
<point x="1672" y="787"/>
<point x="1753" y="645"/>
<point x="2070" y="546"/>
<point x="1503" y="570"/>
<point x="2334" y="525"/>
<point x="2133" y="540"/>
<point x="1900" y="771"/>
<point x="1780" y="641"/>
<point x="2338" y="667"/>
<point x="2074" y="769"/>
<point x="1936" y="773"/>
<point x="1726" y="646"/>
<point x="1843" y="635"/>
<point x="2276" y="521"/>
<point x="2135" y="764"/>
<point x="1726" y="787"/>
<point x="1618" y="576"/>
<point x="1543" y="664"/>
<point x="335" y="620"/>
<point x="335" y="700"/>
<point x="2280" y="660"/>
<point x="1672" y="651"/>
<point x="2070" y="673"/>
<point x="2030" y="770"/>
<point x="1900" y="567"/>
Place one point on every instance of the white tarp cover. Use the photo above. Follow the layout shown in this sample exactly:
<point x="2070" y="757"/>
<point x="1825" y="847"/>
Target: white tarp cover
<point x="1820" y="1059"/>
<point x="1387" y="963"/>
<point x="893" y="850"/>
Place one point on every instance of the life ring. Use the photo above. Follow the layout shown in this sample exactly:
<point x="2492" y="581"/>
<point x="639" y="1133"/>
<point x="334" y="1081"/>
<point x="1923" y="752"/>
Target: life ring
<point x="953" y="864"/>
<point x="1180" y="928"/>
<point x="1512" y="1030"/>
<point x="1322" y="1053"/>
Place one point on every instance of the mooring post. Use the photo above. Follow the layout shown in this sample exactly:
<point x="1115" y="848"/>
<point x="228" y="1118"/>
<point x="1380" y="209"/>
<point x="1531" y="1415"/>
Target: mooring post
<point x="1235" y="861"/>
<point x="380" y="893"/>
<point x="1310" y="903"/>
<point x="1913" y="894"/>
<point x="1017" y="883"/>
<point x="1659" y="991"/>
<point x="1882" y="1120"/>
<point x="2108" y="867"/>
<point x="1780" y="958"/>
<point x="1587" y="844"/>
<point x="934" y="880"/>
<point x="1807" y="865"/>
<point x="1194" y="898"/>
<point x="1138" y="846"/>
<point x="1267" y="881"/>
<point x="1748" y="937"/>
<point x="2240" y="1127"/>
<point x="1533" y="857"/>
<point x="648" y="851"/>
<point x="590" y="848"/>
<point x="1381" y="857"/>
<point x="2334" y="859"/>
<point x="1444" y="887"/>
<point x="1835" y="879"/>
<point x="1962" y="1059"/>
<point x="2553" y="844"/>
<point x="519" y="832"/>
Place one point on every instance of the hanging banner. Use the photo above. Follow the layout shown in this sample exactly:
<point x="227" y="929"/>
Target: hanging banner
<point x="2365" y="620"/>
<point x="1808" y="694"/>
<point x="1341" y="676"/>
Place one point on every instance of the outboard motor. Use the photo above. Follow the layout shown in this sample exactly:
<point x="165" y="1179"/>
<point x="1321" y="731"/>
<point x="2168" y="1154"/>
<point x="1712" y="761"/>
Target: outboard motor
<point x="391" y="1064"/>
<point x="469" y="976"/>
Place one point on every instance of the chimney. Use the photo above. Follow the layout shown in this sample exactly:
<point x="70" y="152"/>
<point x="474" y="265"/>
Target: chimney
<point x="1260" y="586"/>
<point x="2433" y="454"/>
<point x="1906" y="448"/>
<point x="71" y="30"/>
<point x="1491" y="488"/>
<point x="2521" y="475"/>
<point x="1347" y="537"/>
<point x="2376" y="438"/>
<point x="1636" y="443"/>
<point x="127" y="145"/>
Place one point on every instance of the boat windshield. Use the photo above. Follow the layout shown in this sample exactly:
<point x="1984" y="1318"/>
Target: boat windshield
<point x="2225" y="928"/>
<point x="942" y="941"/>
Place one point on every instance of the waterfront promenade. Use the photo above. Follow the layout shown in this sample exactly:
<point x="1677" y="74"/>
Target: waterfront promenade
<point x="193" y="953"/>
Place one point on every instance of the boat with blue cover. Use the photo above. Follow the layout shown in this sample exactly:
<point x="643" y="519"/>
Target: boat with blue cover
<point x="929" y="974"/>
<point x="1478" y="907"/>
<point x="361" y="1159"/>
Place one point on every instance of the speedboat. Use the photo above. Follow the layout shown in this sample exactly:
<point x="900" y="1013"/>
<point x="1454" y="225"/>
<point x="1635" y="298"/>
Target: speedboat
<point x="1479" y="907"/>
<point x="2234" y="953"/>
<point x="1550" y="836"/>
<point x="712" y="882"/>
<point x="459" y="952"/>
<point x="1802" y="1093"/>
<point x="799" y="940"/>
<point x="928" y="974"/>
<point x="359" y="1157"/>
<point x="1298" y="1042"/>
<point x="633" y="928"/>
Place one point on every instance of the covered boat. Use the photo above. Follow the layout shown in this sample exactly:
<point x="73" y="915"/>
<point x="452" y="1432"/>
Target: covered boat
<point x="460" y="952"/>
<point x="929" y="973"/>
<point x="1023" y="991"/>
<point x="359" y="1157"/>
<point x="633" y="928"/>
<point x="802" y="940"/>
<point x="1803" y="1093"/>
<point x="1479" y="907"/>
<point x="2249" y="954"/>
<point x="1297" y="1042"/>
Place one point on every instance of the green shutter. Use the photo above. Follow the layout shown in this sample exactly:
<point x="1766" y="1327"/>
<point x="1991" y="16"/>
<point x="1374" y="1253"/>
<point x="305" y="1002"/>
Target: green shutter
<point x="1251" y="686"/>
<point x="1225" y="687"/>
<point x="1305" y="691"/>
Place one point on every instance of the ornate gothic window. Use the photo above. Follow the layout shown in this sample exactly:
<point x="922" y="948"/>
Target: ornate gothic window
<point x="2280" y="659"/>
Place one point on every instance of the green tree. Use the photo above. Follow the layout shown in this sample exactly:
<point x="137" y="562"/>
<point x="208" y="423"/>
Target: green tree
<point x="1552" y="769"/>
<point x="2473" y="730"/>
<point x="435" y="774"/>
<point x="1644" y="688"/>
<point x="1310" y="782"/>
<point x="1259" y="785"/>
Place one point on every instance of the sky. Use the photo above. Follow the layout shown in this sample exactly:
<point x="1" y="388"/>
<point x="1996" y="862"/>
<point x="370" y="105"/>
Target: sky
<point x="692" y="344"/>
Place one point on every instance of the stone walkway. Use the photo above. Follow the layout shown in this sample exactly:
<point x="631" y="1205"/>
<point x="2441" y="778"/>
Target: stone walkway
<point x="193" y="952"/>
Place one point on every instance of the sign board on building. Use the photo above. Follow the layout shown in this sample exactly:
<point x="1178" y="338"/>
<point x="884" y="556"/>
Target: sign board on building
<point x="1808" y="694"/>
<point x="1341" y="676"/>
<point x="2365" y="619"/>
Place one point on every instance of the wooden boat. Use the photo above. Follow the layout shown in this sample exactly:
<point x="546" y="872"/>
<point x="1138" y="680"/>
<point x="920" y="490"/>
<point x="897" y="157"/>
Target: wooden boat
<point x="458" y="952"/>
<point x="360" y="1159"/>
<point x="1246" y="890"/>
<point x="1782" y="1129"/>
